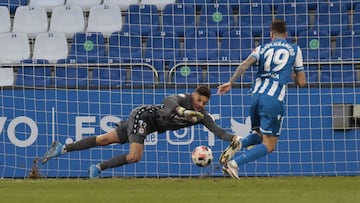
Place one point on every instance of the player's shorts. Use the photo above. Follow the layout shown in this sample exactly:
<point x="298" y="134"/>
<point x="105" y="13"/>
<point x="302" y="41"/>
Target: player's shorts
<point x="138" y="126"/>
<point x="266" y="113"/>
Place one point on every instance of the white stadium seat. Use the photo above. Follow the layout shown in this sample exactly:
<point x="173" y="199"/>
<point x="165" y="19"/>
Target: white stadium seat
<point x="5" y="21"/>
<point x="85" y="4"/>
<point x="49" y="5"/>
<point x="160" y="4"/>
<point x="30" y="20"/>
<point x="14" y="47"/>
<point x="50" y="46"/>
<point x="124" y="4"/>
<point x="105" y="19"/>
<point x="67" y="19"/>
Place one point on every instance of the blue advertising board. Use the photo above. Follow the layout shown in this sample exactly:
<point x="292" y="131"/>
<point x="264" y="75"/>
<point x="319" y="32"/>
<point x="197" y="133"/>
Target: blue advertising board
<point x="31" y="119"/>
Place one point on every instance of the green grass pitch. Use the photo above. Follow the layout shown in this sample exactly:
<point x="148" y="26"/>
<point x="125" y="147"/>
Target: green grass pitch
<point x="183" y="190"/>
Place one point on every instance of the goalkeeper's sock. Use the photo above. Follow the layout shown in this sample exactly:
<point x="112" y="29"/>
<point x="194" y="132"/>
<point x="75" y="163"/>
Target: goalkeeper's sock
<point x="82" y="144"/>
<point x="253" y="154"/>
<point x="251" y="139"/>
<point x="114" y="162"/>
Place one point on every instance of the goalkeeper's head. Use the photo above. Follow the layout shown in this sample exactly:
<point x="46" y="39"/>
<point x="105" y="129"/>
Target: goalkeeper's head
<point x="200" y="97"/>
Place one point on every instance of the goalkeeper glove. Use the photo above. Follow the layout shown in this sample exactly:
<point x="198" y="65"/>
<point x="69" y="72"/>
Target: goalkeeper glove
<point x="189" y="115"/>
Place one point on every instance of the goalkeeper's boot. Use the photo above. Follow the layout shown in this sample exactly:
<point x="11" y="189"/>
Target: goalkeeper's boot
<point x="231" y="169"/>
<point x="54" y="151"/>
<point x="230" y="151"/>
<point x="94" y="171"/>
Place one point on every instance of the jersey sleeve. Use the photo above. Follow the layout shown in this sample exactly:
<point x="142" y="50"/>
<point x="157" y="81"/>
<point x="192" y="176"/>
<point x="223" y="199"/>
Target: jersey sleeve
<point x="298" y="64"/>
<point x="256" y="53"/>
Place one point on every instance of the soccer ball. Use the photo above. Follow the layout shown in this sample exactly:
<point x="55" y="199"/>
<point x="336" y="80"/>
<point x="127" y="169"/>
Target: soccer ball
<point x="202" y="156"/>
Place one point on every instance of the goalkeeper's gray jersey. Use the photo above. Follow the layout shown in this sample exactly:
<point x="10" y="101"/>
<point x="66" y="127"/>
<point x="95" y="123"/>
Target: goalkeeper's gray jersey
<point x="164" y="117"/>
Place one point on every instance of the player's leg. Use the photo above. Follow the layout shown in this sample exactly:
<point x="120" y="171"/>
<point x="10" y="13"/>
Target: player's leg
<point x="270" y="123"/>
<point x="57" y="148"/>
<point x="251" y="139"/>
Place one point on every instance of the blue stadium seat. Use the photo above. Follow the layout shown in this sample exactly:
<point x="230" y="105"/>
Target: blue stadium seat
<point x="312" y="73"/>
<point x="162" y="49"/>
<point x="338" y="73"/>
<point x="142" y="75"/>
<point x="356" y="19"/>
<point x="197" y="3"/>
<point x="315" y="45"/>
<point x="179" y="18"/>
<point x="235" y="45"/>
<point x="13" y="4"/>
<point x="109" y="75"/>
<point x="255" y="18"/>
<point x="332" y="18"/>
<point x="34" y="73"/>
<point x="347" y="46"/>
<point x="88" y="47"/>
<point x="220" y="74"/>
<point x="310" y="4"/>
<point x="216" y="18"/>
<point x="296" y="17"/>
<point x="69" y="73"/>
<point x="200" y="45"/>
<point x="185" y="74"/>
<point x="235" y="4"/>
<point x="125" y="47"/>
<point x="142" y="18"/>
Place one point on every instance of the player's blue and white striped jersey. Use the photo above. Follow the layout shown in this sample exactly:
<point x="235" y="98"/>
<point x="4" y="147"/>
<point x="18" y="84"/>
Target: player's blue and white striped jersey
<point x="276" y="61"/>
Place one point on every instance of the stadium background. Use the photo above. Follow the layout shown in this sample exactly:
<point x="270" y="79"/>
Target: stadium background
<point x="101" y="76"/>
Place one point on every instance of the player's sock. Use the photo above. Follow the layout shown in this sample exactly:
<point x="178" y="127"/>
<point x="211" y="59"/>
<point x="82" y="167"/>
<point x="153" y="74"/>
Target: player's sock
<point x="85" y="143"/>
<point x="114" y="162"/>
<point x="254" y="153"/>
<point x="251" y="139"/>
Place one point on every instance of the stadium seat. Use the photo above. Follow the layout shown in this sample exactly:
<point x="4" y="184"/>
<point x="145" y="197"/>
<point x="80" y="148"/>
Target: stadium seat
<point x="200" y="45"/>
<point x="312" y="73"/>
<point x="347" y="46"/>
<point x="338" y="73"/>
<point x="332" y="18"/>
<point x="141" y="18"/>
<point x="184" y="74"/>
<point x="179" y="18"/>
<point x="70" y="74"/>
<point x="296" y="17"/>
<point x="125" y="47"/>
<point x="14" y="47"/>
<point x="48" y="5"/>
<point x="216" y="18"/>
<point x="34" y="73"/>
<point x="88" y="47"/>
<point x="7" y="76"/>
<point x="13" y="4"/>
<point x="105" y="18"/>
<point x="162" y="49"/>
<point x="235" y="4"/>
<point x="5" y="20"/>
<point x="255" y="18"/>
<point x="315" y="45"/>
<point x="160" y="4"/>
<point x="30" y="20"/>
<point x="123" y="4"/>
<point x="220" y="74"/>
<point x="68" y="20"/>
<point x="356" y="19"/>
<point x="50" y="46"/>
<point x="85" y="4"/>
<point x="236" y="45"/>
<point x="109" y="75"/>
<point x="197" y="3"/>
<point x="142" y="75"/>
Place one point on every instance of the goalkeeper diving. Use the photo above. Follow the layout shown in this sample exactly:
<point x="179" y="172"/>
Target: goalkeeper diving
<point x="177" y="112"/>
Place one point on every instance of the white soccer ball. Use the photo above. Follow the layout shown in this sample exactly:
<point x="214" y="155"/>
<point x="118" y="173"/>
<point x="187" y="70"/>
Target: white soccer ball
<point x="202" y="156"/>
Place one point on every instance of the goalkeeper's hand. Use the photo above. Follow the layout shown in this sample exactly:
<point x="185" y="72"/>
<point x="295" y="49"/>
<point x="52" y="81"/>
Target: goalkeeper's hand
<point x="189" y="115"/>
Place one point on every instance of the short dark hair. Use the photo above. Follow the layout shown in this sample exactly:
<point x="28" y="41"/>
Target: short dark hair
<point x="278" y="26"/>
<point x="204" y="90"/>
